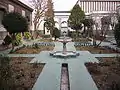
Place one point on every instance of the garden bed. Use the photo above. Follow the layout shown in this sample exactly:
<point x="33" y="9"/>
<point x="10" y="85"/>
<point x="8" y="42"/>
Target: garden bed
<point x="45" y="40"/>
<point x="24" y="74"/>
<point x="32" y="50"/>
<point x="106" y="74"/>
<point x="96" y="50"/>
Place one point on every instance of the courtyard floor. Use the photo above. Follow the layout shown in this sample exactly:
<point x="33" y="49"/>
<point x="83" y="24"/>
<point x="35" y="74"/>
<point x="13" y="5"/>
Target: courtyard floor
<point x="50" y="77"/>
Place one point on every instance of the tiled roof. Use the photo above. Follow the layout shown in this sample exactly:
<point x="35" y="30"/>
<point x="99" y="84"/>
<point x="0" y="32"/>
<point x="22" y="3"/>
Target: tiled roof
<point x="22" y="4"/>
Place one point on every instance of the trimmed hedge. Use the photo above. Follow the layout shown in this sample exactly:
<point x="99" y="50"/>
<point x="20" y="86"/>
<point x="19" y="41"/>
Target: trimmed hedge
<point x="15" y="22"/>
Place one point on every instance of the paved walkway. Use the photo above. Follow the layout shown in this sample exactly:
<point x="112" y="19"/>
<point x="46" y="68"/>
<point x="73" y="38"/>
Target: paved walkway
<point x="49" y="78"/>
<point x="79" y="77"/>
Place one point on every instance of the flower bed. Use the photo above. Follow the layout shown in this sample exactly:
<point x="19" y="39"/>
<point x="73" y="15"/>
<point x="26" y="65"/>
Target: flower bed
<point x="106" y="74"/>
<point x="24" y="74"/>
<point x="95" y="50"/>
<point x="33" y="50"/>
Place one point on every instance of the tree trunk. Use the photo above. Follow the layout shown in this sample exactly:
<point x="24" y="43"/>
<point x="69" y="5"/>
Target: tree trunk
<point x="76" y="35"/>
<point x="13" y="41"/>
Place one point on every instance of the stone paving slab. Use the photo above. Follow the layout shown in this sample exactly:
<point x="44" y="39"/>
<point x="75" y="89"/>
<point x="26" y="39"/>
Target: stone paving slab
<point x="86" y="56"/>
<point x="50" y="78"/>
<point x="79" y="77"/>
<point x="44" y="57"/>
<point x="70" y="46"/>
<point x="22" y="55"/>
<point x="58" y="46"/>
<point x="106" y="55"/>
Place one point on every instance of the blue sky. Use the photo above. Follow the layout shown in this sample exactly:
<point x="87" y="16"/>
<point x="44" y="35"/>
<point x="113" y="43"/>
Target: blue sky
<point x="59" y="5"/>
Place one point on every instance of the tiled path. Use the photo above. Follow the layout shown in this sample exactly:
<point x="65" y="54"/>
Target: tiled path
<point x="49" y="78"/>
<point x="79" y="77"/>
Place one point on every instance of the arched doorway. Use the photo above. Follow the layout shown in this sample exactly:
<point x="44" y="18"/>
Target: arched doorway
<point x="64" y="27"/>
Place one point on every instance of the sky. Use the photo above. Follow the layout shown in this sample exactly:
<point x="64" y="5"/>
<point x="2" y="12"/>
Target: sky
<point x="59" y="5"/>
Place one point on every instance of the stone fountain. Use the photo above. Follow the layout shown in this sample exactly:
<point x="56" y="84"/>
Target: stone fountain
<point x="64" y="53"/>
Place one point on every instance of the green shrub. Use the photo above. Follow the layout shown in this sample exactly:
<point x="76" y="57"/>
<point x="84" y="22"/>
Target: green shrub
<point x="35" y="46"/>
<point x="14" y="23"/>
<point x="117" y="33"/>
<point x="46" y="36"/>
<point x="18" y="39"/>
<point x="27" y="35"/>
<point x="56" y="33"/>
<point x="6" y="80"/>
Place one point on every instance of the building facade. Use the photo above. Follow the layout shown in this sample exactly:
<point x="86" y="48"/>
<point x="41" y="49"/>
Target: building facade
<point x="90" y="6"/>
<point x="13" y="6"/>
<point x="96" y="9"/>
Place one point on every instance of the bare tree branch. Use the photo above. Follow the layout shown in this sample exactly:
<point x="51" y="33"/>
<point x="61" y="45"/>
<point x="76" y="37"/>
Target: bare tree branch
<point x="40" y="7"/>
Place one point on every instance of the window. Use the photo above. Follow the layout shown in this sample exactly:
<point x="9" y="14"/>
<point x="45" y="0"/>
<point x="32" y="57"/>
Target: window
<point x="23" y="13"/>
<point x="11" y="8"/>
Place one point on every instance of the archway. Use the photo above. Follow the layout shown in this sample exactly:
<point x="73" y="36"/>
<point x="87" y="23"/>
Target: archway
<point x="64" y="24"/>
<point x="64" y="27"/>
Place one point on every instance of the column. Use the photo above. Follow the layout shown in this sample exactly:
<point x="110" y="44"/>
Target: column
<point x="88" y="7"/>
<point x="91" y="7"/>
<point x="108" y="6"/>
<point x="98" y="4"/>
<point x="82" y="5"/>
<point x="85" y="6"/>
<point x="101" y="6"/>
<point x="95" y="6"/>
<point x="115" y="6"/>
<point x="104" y="8"/>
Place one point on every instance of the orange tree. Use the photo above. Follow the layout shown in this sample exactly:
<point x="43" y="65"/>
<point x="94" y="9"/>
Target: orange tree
<point x="15" y="23"/>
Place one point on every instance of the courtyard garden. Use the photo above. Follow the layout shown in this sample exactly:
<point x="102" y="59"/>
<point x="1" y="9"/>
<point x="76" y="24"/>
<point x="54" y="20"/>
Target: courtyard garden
<point x="105" y="73"/>
<point x="82" y="62"/>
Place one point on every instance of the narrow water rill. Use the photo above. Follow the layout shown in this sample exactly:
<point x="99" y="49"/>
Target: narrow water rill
<point x="64" y="77"/>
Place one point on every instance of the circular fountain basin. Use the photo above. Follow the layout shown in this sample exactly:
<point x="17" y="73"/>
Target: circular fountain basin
<point x="67" y="54"/>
